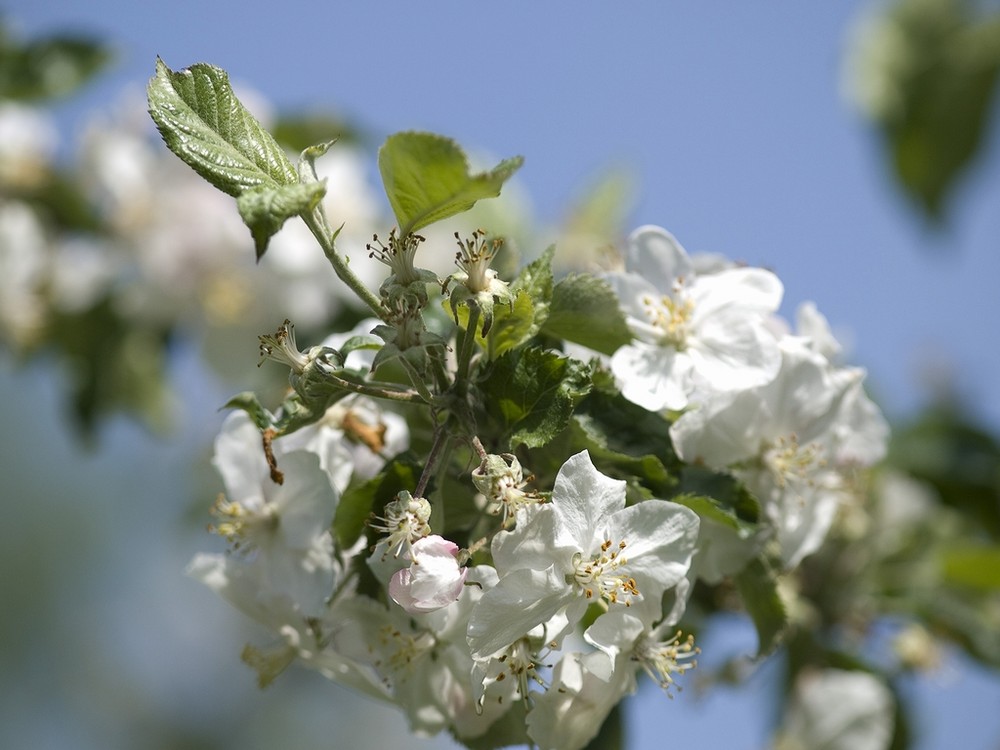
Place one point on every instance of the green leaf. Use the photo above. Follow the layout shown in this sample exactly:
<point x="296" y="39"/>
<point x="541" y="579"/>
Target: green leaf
<point x="585" y="310"/>
<point x="627" y="437"/>
<point x="734" y="505"/>
<point x="506" y="731"/>
<point x="426" y="179"/>
<point x="511" y="326"/>
<point x="535" y="280"/>
<point x="114" y="363"/>
<point x="974" y="566"/>
<point x="758" y="587"/>
<point x="248" y="402"/>
<point x="49" y="67"/>
<point x="942" y="74"/>
<point x="298" y="131"/>
<point x="531" y="394"/>
<point x="957" y="458"/>
<point x="204" y="124"/>
<point x="266" y="209"/>
<point x="359" y="501"/>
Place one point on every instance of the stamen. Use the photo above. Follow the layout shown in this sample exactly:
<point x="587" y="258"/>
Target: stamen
<point x="405" y="521"/>
<point x="670" y="316"/>
<point x="474" y="258"/>
<point x="663" y="660"/>
<point x="398" y="255"/>
<point x="599" y="577"/>
<point x="280" y="346"/>
<point x="790" y="462"/>
<point x="240" y="526"/>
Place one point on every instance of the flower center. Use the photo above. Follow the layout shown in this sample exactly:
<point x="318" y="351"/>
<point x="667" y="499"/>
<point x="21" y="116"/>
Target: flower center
<point x="241" y="527"/>
<point x="474" y="258"/>
<point x="670" y="316"/>
<point x="600" y="576"/>
<point x="398" y="255"/>
<point x="401" y="649"/>
<point x="662" y="660"/>
<point x="791" y="463"/>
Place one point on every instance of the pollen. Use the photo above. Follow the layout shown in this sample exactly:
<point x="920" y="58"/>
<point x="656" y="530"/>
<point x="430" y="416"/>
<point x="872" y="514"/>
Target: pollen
<point x="240" y="526"/>
<point x="601" y="577"/>
<point x="664" y="660"/>
<point x="792" y="463"/>
<point x="670" y="316"/>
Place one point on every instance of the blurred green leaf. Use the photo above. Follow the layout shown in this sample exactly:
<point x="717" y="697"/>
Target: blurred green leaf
<point x="585" y="310"/>
<point x="297" y="132"/>
<point x="49" y="67"/>
<point x="937" y="63"/>
<point x="758" y="587"/>
<point x="976" y="566"/>
<point x="114" y="364"/>
<point x="961" y="462"/>
<point x="426" y="179"/>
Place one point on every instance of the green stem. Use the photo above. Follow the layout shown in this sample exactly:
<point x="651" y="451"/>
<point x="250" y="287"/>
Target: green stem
<point x="440" y="436"/>
<point x="378" y="390"/>
<point x="321" y="230"/>
<point x="417" y="380"/>
<point x="468" y="345"/>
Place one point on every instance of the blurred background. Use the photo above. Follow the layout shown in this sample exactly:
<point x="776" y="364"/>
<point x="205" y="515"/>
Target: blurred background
<point x="851" y="147"/>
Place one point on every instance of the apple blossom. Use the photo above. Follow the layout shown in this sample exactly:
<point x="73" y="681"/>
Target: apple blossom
<point x="692" y="331"/>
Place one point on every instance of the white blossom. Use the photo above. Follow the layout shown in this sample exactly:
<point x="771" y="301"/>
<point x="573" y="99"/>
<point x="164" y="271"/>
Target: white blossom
<point x="584" y="547"/>
<point x="790" y="441"/>
<point x="692" y="331"/>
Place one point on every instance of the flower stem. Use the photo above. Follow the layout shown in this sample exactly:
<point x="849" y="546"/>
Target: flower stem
<point x="468" y="345"/>
<point x="321" y="230"/>
<point x="440" y="437"/>
<point x="382" y="390"/>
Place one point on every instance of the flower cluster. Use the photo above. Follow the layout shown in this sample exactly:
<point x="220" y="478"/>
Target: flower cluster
<point x="542" y="621"/>
<point x="383" y="524"/>
<point x="772" y="407"/>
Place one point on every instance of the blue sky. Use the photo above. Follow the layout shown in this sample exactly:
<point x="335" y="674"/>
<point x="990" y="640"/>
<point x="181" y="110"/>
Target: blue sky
<point x="731" y="116"/>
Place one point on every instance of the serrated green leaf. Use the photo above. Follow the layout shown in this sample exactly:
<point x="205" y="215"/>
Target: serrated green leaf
<point x="265" y="209"/>
<point x="535" y="279"/>
<point x="973" y="566"/>
<point x="532" y="393"/>
<point x="426" y="179"/>
<point x="204" y="124"/>
<point x="585" y="310"/>
<point x="512" y="326"/>
<point x="758" y="587"/>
